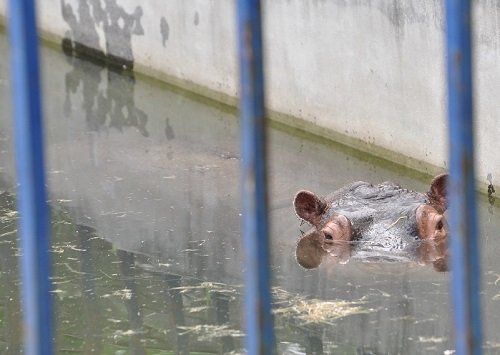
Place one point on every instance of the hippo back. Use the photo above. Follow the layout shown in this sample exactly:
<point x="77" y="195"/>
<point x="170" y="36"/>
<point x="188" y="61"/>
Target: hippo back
<point x="383" y="215"/>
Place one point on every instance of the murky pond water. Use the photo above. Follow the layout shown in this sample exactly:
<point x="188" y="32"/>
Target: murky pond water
<point x="146" y="244"/>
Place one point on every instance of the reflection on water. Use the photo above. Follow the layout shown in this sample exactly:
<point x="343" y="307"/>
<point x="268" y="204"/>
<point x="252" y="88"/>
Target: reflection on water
<point x="109" y="108"/>
<point x="110" y="299"/>
<point x="146" y="244"/>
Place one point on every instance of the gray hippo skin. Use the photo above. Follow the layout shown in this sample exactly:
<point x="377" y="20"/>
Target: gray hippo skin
<point x="365" y="220"/>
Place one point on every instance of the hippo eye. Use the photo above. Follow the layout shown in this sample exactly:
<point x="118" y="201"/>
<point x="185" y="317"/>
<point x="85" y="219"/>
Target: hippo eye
<point x="328" y="236"/>
<point x="439" y="225"/>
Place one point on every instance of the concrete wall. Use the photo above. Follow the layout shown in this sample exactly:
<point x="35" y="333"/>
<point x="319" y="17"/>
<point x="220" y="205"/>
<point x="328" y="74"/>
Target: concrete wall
<point x="366" y="73"/>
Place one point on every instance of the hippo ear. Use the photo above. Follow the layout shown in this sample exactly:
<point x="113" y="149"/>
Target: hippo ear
<point x="437" y="192"/>
<point x="309" y="207"/>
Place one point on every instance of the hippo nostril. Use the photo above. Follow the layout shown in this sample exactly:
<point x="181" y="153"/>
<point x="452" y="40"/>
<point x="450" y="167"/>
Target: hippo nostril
<point x="439" y="225"/>
<point x="328" y="236"/>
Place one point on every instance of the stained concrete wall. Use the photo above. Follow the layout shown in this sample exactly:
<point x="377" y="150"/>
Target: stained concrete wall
<point x="369" y="74"/>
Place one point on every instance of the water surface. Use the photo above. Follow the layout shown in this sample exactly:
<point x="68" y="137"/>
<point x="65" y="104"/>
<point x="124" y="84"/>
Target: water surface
<point x="146" y="245"/>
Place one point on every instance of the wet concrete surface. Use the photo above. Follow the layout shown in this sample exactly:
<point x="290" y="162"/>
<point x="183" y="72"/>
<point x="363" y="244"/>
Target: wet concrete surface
<point x="147" y="251"/>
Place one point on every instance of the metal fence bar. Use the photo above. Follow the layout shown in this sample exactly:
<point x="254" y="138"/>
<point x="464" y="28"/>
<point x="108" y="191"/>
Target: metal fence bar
<point x="463" y="221"/>
<point x="32" y="201"/>
<point x="259" y="321"/>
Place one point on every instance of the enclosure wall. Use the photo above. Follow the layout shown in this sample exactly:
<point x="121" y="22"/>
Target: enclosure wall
<point x="368" y="74"/>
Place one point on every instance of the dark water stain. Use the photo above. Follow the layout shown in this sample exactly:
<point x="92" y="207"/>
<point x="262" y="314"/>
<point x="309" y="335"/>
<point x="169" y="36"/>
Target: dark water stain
<point x="403" y="13"/>
<point x="196" y="18"/>
<point x="491" y="192"/>
<point x="164" y="30"/>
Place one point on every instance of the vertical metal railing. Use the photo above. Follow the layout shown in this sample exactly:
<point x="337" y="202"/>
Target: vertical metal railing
<point x="258" y="318"/>
<point x="463" y="221"/>
<point x="32" y="201"/>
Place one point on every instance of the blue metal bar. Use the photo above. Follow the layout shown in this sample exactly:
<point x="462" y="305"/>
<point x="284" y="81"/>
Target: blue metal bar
<point x="32" y="201"/>
<point x="465" y="276"/>
<point x="259" y="321"/>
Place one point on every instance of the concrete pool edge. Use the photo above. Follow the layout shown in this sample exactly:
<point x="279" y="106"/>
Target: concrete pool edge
<point x="282" y="121"/>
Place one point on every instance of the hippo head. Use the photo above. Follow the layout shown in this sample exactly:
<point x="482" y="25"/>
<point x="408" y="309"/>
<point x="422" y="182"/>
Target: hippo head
<point x="385" y="216"/>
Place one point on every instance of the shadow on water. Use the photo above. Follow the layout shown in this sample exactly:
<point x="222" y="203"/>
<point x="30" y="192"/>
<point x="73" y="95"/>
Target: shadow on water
<point x="146" y="246"/>
<point x="109" y="108"/>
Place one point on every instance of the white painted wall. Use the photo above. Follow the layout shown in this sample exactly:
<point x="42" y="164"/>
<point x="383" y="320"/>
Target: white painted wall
<point x="370" y="70"/>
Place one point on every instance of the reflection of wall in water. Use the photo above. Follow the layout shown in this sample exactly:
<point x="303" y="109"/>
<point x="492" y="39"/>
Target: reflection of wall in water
<point x="118" y="292"/>
<point x="158" y="185"/>
<point x="106" y="297"/>
<point x="109" y="105"/>
<point x="11" y="326"/>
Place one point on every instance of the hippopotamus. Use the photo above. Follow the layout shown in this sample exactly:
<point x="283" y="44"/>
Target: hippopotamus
<point x="382" y="221"/>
